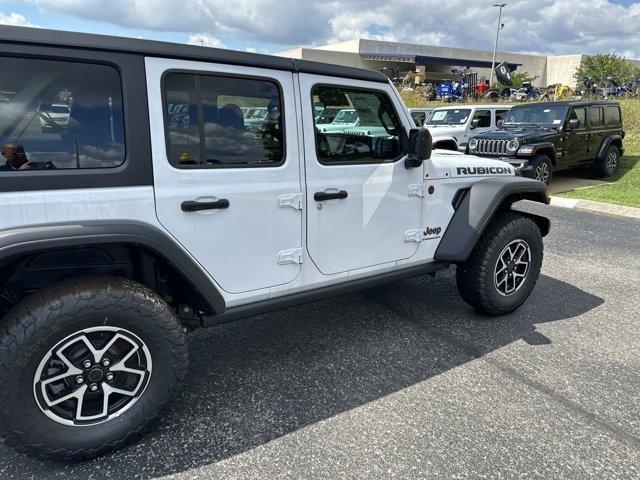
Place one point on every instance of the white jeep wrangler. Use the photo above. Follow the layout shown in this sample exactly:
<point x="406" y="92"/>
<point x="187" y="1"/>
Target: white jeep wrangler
<point x="451" y="127"/>
<point x="156" y="207"/>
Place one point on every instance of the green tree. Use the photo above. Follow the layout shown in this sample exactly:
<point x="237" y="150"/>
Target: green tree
<point x="605" y="65"/>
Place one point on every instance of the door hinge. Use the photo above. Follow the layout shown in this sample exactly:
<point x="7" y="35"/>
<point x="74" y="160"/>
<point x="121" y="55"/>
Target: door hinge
<point x="292" y="200"/>
<point x="417" y="190"/>
<point x="293" y="255"/>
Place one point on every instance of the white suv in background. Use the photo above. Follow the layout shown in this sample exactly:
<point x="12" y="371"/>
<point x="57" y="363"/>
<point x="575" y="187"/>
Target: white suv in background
<point x="451" y="127"/>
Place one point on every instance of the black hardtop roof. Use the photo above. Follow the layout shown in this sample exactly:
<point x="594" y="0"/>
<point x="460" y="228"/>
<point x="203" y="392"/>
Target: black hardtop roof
<point x="571" y="103"/>
<point x="152" y="48"/>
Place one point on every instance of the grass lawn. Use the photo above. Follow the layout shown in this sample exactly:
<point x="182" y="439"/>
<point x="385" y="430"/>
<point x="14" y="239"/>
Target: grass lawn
<point x="624" y="188"/>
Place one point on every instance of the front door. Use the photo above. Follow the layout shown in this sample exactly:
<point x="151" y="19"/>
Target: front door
<point x="226" y="168"/>
<point x="357" y="186"/>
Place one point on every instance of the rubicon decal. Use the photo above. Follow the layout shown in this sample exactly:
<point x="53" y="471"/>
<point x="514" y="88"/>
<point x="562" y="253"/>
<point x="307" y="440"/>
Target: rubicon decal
<point x="484" y="171"/>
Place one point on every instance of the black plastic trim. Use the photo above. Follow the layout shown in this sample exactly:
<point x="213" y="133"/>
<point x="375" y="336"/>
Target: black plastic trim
<point x="85" y="41"/>
<point x="605" y="144"/>
<point x="137" y="168"/>
<point x="14" y="243"/>
<point x="476" y="209"/>
<point x="279" y="303"/>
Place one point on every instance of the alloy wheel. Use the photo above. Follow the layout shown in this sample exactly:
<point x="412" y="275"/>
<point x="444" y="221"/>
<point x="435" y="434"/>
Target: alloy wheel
<point x="542" y="172"/>
<point x="512" y="267"/>
<point x="612" y="162"/>
<point x="92" y="376"/>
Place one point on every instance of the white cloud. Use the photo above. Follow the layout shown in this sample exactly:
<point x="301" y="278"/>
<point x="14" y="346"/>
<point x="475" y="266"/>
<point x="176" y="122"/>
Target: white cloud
<point x="205" y="40"/>
<point x="15" y="20"/>
<point x="550" y="26"/>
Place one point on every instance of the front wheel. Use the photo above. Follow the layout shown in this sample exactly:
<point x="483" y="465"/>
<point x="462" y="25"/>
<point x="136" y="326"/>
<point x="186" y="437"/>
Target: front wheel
<point x="541" y="169"/>
<point x="86" y="365"/>
<point x="504" y="266"/>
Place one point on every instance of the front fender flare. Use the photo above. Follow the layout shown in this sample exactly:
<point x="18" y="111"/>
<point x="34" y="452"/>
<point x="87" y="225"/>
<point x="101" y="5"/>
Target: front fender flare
<point x="477" y="207"/>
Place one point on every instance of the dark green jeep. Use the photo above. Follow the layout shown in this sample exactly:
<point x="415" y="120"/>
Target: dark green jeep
<point x="541" y="138"/>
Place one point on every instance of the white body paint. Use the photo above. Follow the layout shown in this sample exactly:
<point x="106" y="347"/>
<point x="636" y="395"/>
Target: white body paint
<point x="361" y="236"/>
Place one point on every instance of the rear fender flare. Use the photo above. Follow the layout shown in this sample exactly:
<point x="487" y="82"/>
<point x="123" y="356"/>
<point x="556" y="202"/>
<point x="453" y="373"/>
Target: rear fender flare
<point x="23" y="241"/>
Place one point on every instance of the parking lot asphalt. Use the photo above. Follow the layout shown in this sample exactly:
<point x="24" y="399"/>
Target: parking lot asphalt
<point x="406" y="381"/>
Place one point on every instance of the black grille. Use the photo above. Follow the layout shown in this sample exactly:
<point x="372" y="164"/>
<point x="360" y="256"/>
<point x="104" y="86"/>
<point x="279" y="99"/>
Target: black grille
<point x="492" y="147"/>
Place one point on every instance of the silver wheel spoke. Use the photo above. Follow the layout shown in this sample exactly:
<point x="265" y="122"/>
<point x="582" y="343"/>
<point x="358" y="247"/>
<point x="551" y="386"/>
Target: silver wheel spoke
<point x="75" y="394"/>
<point x="97" y="381"/>
<point x="512" y="267"/>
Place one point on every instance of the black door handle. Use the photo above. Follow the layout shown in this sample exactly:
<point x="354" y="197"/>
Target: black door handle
<point x="194" y="206"/>
<point x="322" y="196"/>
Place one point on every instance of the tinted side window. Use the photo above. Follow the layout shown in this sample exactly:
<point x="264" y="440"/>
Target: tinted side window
<point x="580" y="114"/>
<point x="612" y="115"/>
<point x="418" y="118"/>
<point x="482" y="118"/>
<point x="366" y="128"/>
<point x="595" y="117"/>
<point x="500" y="114"/>
<point x="59" y="115"/>
<point x="223" y="121"/>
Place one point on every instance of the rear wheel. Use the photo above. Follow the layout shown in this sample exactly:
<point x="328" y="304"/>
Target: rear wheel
<point x="86" y="365"/>
<point x="609" y="164"/>
<point x="503" y="268"/>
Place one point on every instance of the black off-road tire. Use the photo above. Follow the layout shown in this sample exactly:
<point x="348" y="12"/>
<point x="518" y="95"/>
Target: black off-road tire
<point x="475" y="277"/>
<point x="609" y="165"/>
<point x="45" y="318"/>
<point x="541" y="169"/>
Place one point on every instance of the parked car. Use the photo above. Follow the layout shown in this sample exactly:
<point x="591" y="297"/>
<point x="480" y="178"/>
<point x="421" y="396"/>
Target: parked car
<point x="542" y="138"/>
<point x="151" y="226"/>
<point x="345" y="118"/>
<point x="451" y="127"/>
<point x="54" y="115"/>
<point x="420" y="115"/>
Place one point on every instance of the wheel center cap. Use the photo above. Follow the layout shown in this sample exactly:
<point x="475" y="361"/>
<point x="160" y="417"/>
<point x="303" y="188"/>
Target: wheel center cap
<point x="96" y="375"/>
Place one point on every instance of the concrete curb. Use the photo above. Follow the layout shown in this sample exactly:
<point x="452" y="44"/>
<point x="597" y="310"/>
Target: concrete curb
<point x="599" y="207"/>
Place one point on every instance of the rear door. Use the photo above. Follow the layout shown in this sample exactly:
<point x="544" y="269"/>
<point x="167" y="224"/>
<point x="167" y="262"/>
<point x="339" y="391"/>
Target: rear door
<point x="597" y="131"/>
<point x="358" y="189"/>
<point x="226" y="186"/>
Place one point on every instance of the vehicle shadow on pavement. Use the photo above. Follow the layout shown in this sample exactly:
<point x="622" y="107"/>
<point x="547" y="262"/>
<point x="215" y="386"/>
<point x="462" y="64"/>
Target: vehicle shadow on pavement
<point x="259" y="379"/>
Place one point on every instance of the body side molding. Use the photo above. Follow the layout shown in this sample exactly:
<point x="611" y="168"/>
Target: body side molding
<point x="478" y="206"/>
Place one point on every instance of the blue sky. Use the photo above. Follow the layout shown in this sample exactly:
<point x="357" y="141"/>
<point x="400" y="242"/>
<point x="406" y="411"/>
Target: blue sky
<point x="540" y="26"/>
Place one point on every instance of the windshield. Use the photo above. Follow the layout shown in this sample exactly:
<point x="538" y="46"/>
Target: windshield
<point x="536" y="114"/>
<point x="346" y="116"/>
<point x="456" y="116"/>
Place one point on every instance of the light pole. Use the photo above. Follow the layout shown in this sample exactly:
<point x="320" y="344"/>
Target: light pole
<point x="495" y="46"/>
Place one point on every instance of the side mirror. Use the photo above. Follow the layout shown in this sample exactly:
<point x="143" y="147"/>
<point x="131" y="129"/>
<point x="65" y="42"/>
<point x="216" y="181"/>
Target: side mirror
<point x="498" y="123"/>
<point x="573" y="124"/>
<point x="420" y="146"/>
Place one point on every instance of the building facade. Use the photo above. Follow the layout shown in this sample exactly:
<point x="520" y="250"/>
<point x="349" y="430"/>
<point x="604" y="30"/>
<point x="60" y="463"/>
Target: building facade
<point x="438" y="61"/>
